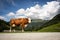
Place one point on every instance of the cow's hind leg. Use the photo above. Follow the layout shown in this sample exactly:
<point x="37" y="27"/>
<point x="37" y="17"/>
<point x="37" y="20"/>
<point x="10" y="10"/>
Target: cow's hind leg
<point x="22" y="26"/>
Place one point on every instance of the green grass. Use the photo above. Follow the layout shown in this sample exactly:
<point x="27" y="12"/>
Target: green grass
<point x="51" y="28"/>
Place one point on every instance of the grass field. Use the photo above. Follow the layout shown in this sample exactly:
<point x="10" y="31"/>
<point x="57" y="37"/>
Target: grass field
<point x="51" y="28"/>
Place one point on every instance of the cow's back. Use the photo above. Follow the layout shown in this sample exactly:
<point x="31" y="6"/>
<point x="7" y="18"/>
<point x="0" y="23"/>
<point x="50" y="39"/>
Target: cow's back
<point x="19" y="21"/>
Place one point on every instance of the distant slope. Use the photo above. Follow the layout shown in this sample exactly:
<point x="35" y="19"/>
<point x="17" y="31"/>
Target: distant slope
<point x="52" y="28"/>
<point x="35" y="24"/>
<point x="52" y="25"/>
<point x="55" y="20"/>
<point x="37" y="20"/>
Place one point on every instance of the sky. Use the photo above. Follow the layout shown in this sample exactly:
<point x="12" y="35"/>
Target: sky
<point x="34" y="9"/>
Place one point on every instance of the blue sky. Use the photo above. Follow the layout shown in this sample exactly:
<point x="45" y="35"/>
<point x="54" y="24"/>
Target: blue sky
<point x="13" y="5"/>
<point x="7" y="6"/>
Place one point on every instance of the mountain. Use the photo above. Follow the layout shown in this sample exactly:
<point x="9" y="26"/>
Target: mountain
<point x="3" y="25"/>
<point x="51" y="28"/>
<point x="55" y="20"/>
<point x="35" y="24"/>
<point x="52" y="25"/>
<point x="37" y="20"/>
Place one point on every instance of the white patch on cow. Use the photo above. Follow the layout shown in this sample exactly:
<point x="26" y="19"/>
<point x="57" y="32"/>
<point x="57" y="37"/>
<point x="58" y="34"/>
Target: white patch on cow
<point x="29" y="20"/>
<point x="13" y="25"/>
<point x="26" y="25"/>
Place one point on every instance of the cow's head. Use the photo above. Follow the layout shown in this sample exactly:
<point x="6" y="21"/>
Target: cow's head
<point x="29" y="20"/>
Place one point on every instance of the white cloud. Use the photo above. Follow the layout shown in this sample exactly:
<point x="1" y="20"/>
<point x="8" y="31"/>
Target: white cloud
<point x="46" y="12"/>
<point x="49" y="10"/>
<point x="1" y="17"/>
<point x="20" y="11"/>
<point x="10" y="14"/>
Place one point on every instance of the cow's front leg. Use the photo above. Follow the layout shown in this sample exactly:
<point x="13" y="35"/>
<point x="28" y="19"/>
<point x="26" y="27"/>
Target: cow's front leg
<point x="22" y="29"/>
<point x="10" y="29"/>
<point x="14" y="30"/>
<point x="13" y="27"/>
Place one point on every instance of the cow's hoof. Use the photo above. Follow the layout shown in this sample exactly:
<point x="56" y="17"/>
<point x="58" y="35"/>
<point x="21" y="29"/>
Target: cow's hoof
<point x="14" y="31"/>
<point x="22" y="30"/>
<point x="9" y="30"/>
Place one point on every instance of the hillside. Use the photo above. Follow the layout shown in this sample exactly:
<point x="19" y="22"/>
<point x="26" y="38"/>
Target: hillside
<point x="52" y="28"/>
<point x="35" y="24"/>
<point x="52" y="24"/>
<point x="55" y="20"/>
<point x="3" y="25"/>
<point x="37" y="20"/>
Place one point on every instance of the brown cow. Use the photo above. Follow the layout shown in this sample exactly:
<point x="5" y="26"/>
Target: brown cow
<point x="23" y="22"/>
